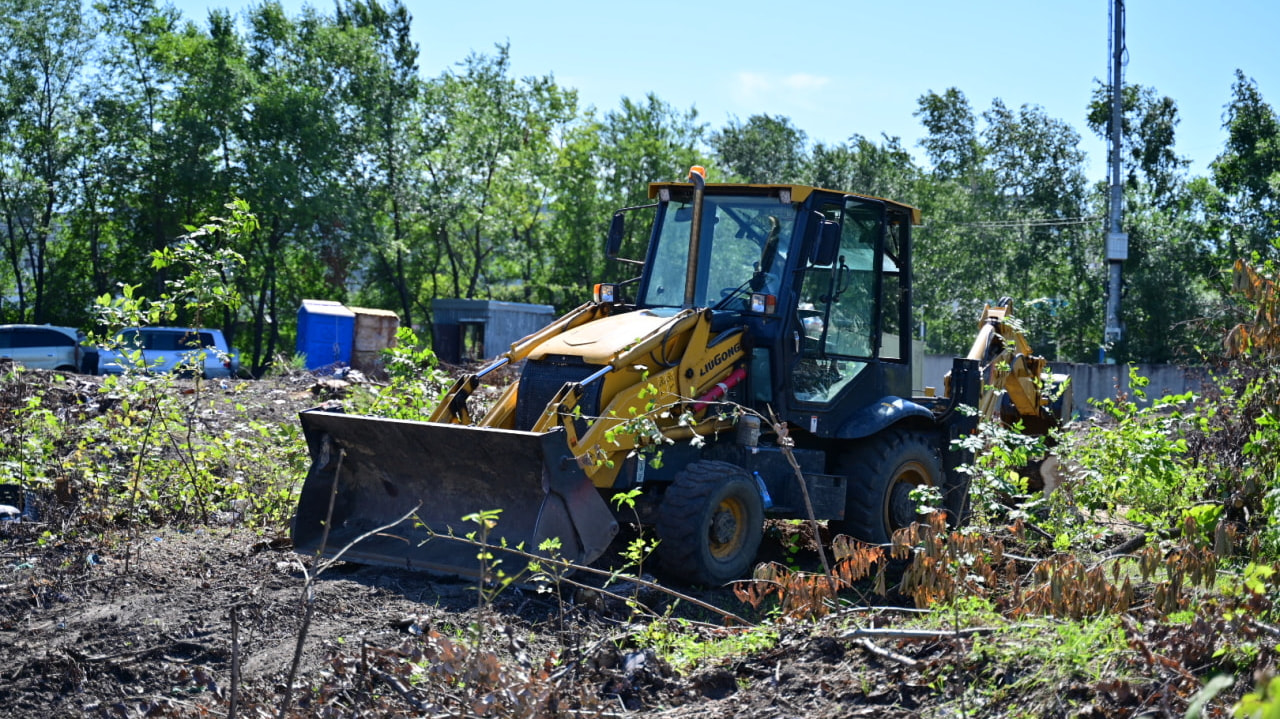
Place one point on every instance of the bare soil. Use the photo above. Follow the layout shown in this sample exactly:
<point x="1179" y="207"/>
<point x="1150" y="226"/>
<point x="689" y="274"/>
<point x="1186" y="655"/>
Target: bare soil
<point x="86" y="636"/>
<point x="205" y="620"/>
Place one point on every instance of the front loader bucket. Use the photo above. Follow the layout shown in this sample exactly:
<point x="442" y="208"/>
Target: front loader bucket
<point x="386" y="467"/>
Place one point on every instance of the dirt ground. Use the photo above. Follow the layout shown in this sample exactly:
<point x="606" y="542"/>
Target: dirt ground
<point x="205" y="622"/>
<point x="157" y="640"/>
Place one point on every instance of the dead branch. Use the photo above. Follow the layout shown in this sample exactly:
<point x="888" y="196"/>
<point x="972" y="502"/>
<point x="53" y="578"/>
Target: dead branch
<point x="918" y="633"/>
<point x="1266" y="628"/>
<point x="308" y="586"/>
<point x="567" y="565"/>
<point x="1037" y="530"/>
<point x="881" y="610"/>
<point x="399" y="689"/>
<point x="1128" y="546"/>
<point x="886" y="653"/>
<point x="235" y="663"/>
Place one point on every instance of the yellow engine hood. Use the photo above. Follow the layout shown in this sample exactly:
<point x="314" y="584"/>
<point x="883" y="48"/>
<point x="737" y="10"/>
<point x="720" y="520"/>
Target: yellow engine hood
<point x="600" y="341"/>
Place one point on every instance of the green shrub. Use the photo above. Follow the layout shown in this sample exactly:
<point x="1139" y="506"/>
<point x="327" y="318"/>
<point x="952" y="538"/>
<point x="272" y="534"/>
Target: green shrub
<point x="1132" y="464"/>
<point x="415" y="382"/>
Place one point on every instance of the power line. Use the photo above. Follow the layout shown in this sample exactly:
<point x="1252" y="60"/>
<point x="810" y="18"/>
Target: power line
<point x="1034" y="222"/>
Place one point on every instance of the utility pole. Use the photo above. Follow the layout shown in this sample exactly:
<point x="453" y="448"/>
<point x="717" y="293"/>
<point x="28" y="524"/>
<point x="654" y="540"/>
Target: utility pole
<point x="1117" y="240"/>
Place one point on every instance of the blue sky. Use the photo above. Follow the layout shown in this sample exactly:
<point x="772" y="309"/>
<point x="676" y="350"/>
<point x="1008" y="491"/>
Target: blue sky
<point x="856" y="67"/>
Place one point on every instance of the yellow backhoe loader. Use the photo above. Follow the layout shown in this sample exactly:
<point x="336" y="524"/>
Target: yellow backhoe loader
<point x="752" y="300"/>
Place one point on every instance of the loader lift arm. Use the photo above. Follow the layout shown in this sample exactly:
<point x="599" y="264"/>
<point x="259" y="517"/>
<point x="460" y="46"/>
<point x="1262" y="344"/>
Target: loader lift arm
<point x="453" y="405"/>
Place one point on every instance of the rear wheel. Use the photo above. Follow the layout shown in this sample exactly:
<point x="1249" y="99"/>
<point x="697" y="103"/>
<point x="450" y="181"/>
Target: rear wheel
<point x="882" y="472"/>
<point x="710" y="523"/>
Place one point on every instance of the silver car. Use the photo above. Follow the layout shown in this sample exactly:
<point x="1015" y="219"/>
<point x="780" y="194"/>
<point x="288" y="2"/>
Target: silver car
<point x="41" y="346"/>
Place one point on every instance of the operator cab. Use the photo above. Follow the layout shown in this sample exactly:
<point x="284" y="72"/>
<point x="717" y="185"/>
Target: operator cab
<point x="820" y="279"/>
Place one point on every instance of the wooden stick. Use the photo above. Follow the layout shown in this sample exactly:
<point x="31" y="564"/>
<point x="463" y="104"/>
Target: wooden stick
<point x="887" y="654"/>
<point x="235" y="663"/>
<point x="917" y="633"/>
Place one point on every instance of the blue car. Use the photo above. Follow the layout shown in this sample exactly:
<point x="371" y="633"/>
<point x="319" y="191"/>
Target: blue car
<point x="170" y="349"/>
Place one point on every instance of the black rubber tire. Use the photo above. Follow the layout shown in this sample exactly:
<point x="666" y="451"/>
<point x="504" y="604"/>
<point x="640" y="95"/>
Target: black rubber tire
<point x="880" y="472"/>
<point x="710" y="524"/>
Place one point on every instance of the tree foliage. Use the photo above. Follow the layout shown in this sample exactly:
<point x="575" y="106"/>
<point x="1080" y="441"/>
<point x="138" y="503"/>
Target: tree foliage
<point x="1247" y="173"/>
<point x="122" y="123"/>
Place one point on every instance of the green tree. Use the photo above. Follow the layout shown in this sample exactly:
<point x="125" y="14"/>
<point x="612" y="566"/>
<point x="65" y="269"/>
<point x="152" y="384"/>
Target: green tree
<point x="883" y="170"/>
<point x="960" y="250"/>
<point x="641" y="142"/>
<point x="1052" y="253"/>
<point x="385" y="90"/>
<point x="45" y="51"/>
<point x="490" y="138"/>
<point x="578" y="221"/>
<point x="1007" y="211"/>
<point x="137" y="82"/>
<point x="296" y="151"/>
<point x="952" y="143"/>
<point x="211" y="87"/>
<point x="1164" y="235"/>
<point x="649" y="141"/>
<point x="1248" y="173"/>
<point x="761" y="150"/>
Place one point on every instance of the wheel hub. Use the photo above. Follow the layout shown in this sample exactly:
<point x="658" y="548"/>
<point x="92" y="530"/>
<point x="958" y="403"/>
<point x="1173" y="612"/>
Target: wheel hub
<point x="902" y="508"/>
<point x="724" y="526"/>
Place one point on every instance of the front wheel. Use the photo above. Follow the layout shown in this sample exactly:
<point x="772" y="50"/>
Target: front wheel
<point x="881" y="473"/>
<point x="710" y="524"/>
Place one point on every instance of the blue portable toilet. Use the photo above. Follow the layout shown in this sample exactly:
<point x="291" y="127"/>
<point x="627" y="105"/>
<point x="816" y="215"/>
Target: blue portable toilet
<point x="326" y="332"/>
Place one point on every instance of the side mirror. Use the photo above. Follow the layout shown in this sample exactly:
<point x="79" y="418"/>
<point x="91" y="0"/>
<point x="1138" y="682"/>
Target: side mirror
<point x="617" y="226"/>
<point x="826" y="244"/>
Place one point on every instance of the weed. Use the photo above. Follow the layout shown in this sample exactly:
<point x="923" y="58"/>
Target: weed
<point x="146" y="458"/>
<point x="415" y="382"/>
<point x="1132" y="466"/>
<point x="550" y="573"/>
<point x="680" y="644"/>
<point x="996" y="483"/>
<point x="640" y="548"/>
<point x="492" y="579"/>
<point x="28" y="456"/>
<point x="1054" y="653"/>
<point x="1262" y="703"/>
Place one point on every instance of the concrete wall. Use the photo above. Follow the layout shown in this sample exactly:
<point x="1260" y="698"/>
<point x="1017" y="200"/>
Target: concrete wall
<point x="1098" y="381"/>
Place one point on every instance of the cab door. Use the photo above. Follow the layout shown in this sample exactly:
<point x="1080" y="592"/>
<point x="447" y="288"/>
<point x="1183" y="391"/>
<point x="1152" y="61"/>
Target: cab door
<point x="836" y="341"/>
<point x="837" y="305"/>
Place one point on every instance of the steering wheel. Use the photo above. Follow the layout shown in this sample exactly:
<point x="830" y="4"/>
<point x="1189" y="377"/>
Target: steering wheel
<point x="768" y="279"/>
<point x="811" y="322"/>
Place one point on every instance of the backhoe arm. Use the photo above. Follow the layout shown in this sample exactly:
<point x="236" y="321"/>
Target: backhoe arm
<point x="1016" y="386"/>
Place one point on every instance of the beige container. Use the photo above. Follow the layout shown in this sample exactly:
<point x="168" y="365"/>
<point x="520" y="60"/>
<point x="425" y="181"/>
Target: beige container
<point x="375" y="331"/>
